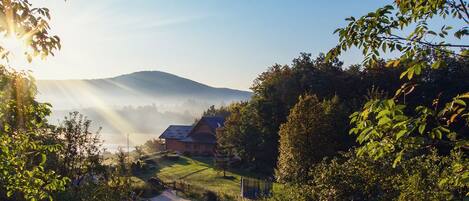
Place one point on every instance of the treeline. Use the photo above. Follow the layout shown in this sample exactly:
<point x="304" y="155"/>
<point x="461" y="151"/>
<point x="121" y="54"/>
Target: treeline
<point x="393" y="129"/>
<point x="296" y="127"/>
<point x="331" y="90"/>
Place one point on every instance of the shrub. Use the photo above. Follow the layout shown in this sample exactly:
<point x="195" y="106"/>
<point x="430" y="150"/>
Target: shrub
<point x="350" y="177"/>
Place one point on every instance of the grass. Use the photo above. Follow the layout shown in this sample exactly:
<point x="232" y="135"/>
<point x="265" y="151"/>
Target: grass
<point x="196" y="171"/>
<point x="143" y="189"/>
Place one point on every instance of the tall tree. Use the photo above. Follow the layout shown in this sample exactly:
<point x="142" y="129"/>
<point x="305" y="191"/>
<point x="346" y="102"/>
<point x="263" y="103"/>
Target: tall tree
<point x="241" y="135"/>
<point x="314" y="130"/>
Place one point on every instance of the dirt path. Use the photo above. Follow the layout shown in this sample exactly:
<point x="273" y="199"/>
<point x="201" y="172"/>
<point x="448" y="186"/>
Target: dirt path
<point x="168" y="195"/>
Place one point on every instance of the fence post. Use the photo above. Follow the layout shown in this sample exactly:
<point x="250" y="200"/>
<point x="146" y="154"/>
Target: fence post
<point x="242" y="187"/>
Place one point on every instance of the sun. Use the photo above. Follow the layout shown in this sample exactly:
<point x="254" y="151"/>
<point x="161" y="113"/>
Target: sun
<point x="15" y="47"/>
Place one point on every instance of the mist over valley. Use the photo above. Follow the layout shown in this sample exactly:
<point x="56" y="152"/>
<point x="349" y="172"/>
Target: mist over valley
<point x="141" y="104"/>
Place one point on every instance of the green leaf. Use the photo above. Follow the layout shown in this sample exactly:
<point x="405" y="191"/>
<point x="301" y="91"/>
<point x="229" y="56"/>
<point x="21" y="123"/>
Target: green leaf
<point x="43" y="159"/>
<point x="460" y="102"/>
<point x="383" y="121"/>
<point x="410" y="73"/>
<point x="422" y="128"/>
<point x="397" y="159"/>
<point x="383" y="113"/>
<point x="400" y="134"/>
<point x="437" y="64"/>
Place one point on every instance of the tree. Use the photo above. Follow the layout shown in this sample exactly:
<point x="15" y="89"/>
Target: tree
<point x="140" y="152"/>
<point x="392" y="127"/>
<point x="153" y="145"/>
<point x="241" y="135"/>
<point x="314" y="130"/>
<point x="81" y="152"/>
<point x="23" y="119"/>
<point x="28" y="25"/>
<point x="222" y="111"/>
<point x="122" y="162"/>
<point x="277" y="90"/>
<point x="222" y="159"/>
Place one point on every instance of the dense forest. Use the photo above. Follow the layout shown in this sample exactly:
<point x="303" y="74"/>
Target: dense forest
<point x="386" y="129"/>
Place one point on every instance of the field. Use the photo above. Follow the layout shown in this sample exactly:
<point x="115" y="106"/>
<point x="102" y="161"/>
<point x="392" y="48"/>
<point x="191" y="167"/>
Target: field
<point x="196" y="171"/>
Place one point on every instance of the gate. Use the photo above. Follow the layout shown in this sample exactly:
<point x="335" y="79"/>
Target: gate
<point x="255" y="188"/>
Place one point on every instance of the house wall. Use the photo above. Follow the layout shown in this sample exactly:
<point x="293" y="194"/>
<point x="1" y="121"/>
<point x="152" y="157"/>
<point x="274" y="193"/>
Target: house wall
<point x="174" y="145"/>
<point x="191" y="148"/>
<point x="199" y="149"/>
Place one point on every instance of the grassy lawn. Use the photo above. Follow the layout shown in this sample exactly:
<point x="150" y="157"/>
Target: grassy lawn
<point x="197" y="171"/>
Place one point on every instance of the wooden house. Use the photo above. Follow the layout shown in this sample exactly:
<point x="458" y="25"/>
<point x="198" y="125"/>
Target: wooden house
<point x="199" y="139"/>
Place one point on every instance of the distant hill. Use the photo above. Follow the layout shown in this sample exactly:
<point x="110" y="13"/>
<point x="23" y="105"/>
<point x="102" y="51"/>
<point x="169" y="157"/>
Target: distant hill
<point x="142" y="103"/>
<point x="137" y="88"/>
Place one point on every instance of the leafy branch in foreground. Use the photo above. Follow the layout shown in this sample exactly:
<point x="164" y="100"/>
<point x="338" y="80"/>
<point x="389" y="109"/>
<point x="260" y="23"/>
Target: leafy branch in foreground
<point x="23" y="123"/>
<point x="390" y="127"/>
<point x="28" y="25"/>
<point x="23" y="155"/>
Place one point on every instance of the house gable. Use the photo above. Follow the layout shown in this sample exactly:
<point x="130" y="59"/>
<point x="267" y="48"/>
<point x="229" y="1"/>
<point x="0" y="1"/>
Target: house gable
<point x="205" y="130"/>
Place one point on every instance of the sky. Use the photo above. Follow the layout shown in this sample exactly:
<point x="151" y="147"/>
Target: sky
<point x="216" y="42"/>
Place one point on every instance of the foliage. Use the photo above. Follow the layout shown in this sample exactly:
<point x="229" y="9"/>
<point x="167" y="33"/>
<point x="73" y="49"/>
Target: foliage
<point x="277" y="90"/>
<point x="390" y="127"/>
<point x="242" y="136"/>
<point x="81" y="152"/>
<point x="114" y="188"/>
<point x="23" y="120"/>
<point x="221" y="159"/>
<point x="221" y="111"/>
<point x="29" y="25"/>
<point x="314" y="130"/>
<point x="352" y="177"/>
<point x="385" y="30"/>
<point x="23" y="156"/>
<point x="122" y="161"/>
<point x="152" y="146"/>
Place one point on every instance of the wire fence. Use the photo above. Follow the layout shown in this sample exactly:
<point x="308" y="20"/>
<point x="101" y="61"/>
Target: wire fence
<point x="255" y="188"/>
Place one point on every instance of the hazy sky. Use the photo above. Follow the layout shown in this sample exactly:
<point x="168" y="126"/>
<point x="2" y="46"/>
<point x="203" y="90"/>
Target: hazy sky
<point x="217" y="42"/>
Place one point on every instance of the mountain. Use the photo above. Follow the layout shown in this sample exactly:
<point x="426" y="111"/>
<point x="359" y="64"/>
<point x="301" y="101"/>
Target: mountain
<point x="137" y="88"/>
<point x="141" y="103"/>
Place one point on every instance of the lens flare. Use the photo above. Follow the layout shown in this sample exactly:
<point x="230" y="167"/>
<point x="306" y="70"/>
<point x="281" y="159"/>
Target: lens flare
<point x="13" y="47"/>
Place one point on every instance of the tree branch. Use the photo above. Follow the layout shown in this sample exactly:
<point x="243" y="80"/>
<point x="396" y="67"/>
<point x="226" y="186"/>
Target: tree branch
<point x="465" y="10"/>
<point x="395" y="37"/>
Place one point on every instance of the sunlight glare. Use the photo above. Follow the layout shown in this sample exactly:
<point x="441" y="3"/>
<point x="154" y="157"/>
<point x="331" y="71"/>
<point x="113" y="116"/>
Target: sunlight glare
<point x="16" y="47"/>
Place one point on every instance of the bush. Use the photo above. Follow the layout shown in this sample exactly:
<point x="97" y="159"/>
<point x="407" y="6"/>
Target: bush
<point x="156" y="182"/>
<point x="210" y="196"/>
<point x="147" y="190"/>
<point x="349" y="177"/>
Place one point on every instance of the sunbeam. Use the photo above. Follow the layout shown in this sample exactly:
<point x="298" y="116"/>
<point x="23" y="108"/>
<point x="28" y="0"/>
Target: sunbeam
<point x="114" y="119"/>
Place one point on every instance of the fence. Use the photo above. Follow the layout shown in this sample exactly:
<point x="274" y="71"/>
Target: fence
<point x="197" y="192"/>
<point x="255" y="188"/>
